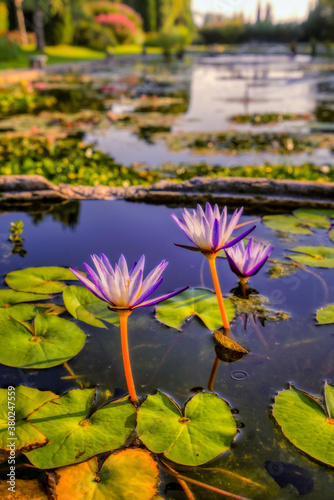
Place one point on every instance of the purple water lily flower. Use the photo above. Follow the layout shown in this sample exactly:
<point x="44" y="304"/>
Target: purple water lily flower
<point x="209" y="230"/>
<point x="246" y="262"/>
<point x="122" y="288"/>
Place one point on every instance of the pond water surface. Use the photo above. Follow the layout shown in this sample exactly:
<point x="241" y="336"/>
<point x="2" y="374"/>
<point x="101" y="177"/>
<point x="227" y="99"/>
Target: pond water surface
<point x="218" y="88"/>
<point x="175" y="362"/>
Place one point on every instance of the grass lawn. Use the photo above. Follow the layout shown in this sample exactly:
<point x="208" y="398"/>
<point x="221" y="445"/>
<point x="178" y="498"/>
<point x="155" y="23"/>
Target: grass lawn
<point x="68" y="54"/>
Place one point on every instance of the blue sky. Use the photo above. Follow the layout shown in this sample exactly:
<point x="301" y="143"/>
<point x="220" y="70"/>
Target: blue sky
<point x="283" y="9"/>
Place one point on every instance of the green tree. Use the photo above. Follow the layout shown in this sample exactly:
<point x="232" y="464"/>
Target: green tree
<point x="320" y="22"/>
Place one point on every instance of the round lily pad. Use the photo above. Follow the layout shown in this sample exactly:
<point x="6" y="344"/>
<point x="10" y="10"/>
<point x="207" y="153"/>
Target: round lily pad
<point x="286" y="224"/>
<point x="40" y="279"/>
<point x="314" y="256"/>
<point x="204" y="431"/>
<point x="24" y="401"/>
<point x="21" y="312"/>
<point x="326" y="315"/>
<point x="199" y="302"/>
<point x="313" y="218"/>
<point x="85" y="306"/>
<point x="305" y="423"/>
<point x="10" y="297"/>
<point x="131" y="473"/>
<point x="24" y="490"/>
<point x="331" y="234"/>
<point x="74" y="434"/>
<point x="49" y="341"/>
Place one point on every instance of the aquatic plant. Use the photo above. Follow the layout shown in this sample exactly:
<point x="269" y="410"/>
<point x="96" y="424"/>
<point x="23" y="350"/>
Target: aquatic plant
<point x="124" y="290"/>
<point x="209" y="231"/>
<point x="247" y="261"/>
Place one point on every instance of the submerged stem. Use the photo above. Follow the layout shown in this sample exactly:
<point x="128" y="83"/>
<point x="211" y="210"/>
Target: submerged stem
<point x="213" y="374"/>
<point x="212" y="263"/>
<point x="202" y="485"/>
<point x="123" y="318"/>
<point x="243" y="287"/>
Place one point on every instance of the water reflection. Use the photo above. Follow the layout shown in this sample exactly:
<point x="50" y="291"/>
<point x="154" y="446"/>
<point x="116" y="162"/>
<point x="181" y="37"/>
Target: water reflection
<point x="174" y="362"/>
<point x="67" y="214"/>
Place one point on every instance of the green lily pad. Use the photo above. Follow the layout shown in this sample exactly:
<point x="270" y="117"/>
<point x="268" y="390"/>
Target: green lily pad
<point x="22" y="401"/>
<point x="49" y="341"/>
<point x="329" y="398"/>
<point x="305" y="423"/>
<point x="74" y="434"/>
<point x="331" y="234"/>
<point x="328" y="212"/>
<point x="286" y="224"/>
<point x="40" y="279"/>
<point x="10" y="297"/>
<point x="131" y="473"/>
<point x="193" y="302"/>
<point x="326" y="315"/>
<point x="22" y="312"/>
<point x="315" y="256"/>
<point x="85" y="306"/>
<point x="312" y="218"/>
<point x="204" y="431"/>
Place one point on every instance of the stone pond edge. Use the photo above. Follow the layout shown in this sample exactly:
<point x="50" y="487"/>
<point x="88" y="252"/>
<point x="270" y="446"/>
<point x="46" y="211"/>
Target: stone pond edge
<point x="25" y="190"/>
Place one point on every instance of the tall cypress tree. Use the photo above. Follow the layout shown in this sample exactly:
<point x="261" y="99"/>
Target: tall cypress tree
<point x="162" y="14"/>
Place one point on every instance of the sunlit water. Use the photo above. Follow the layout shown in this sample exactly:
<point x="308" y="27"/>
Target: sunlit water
<point x="295" y="351"/>
<point x="220" y="87"/>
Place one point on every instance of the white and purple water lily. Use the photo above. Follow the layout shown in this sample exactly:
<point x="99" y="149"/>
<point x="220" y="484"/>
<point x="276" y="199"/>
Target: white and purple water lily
<point x="122" y="288"/>
<point x="209" y="230"/>
<point x="246" y="262"/>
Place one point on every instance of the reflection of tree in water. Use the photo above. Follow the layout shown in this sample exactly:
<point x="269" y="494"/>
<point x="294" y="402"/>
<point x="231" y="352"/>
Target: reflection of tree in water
<point x="67" y="214"/>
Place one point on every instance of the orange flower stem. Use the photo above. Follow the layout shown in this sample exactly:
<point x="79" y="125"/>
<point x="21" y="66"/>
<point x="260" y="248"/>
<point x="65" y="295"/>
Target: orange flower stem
<point x="212" y="263"/>
<point x="123" y="318"/>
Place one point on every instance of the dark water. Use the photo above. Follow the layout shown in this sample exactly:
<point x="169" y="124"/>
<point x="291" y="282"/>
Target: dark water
<point x="295" y="351"/>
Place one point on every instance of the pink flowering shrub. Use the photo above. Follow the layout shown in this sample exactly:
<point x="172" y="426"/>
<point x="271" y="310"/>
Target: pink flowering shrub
<point x="97" y="7"/>
<point x="124" y="28"/>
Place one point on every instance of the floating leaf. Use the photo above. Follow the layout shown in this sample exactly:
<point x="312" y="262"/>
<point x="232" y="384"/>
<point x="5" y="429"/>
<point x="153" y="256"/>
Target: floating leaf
<point x="21" y="312"/>
<point x="205" y="431"/>
<point x="50" y="341"/>
<point x="193" y="302"/>
<point x="286" y="224"/>
<point x="326" y="315"/>
<point x="305" y="423"/>
<point x="85" y="306"/>
<point x="280" y="269"/>
<point x="74" y="434"/>
<point x="328" y="212"/>
<point x="329" y="398"/>
<point x="331" y="234"/>
<point x="257" y="306"/>
<point x="228" y="343"/>
<point x="24" y="490"/>
<point x="315" y="256"/>
<point x="131" y="473"/>
<point x="11" y="297"/>
<point x="312" y="219"/>
<point x="40" y="279"/>
<point x="24" y="401"/>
